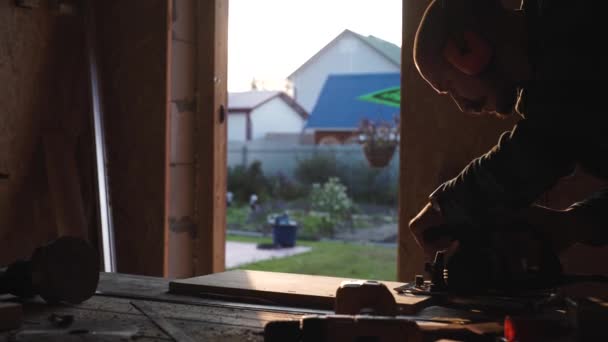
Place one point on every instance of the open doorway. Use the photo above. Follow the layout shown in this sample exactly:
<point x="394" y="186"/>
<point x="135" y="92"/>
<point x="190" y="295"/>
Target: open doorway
<point x="313" y="135"/>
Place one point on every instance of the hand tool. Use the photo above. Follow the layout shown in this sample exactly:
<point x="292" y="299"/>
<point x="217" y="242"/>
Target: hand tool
<point x="66" y="269"/>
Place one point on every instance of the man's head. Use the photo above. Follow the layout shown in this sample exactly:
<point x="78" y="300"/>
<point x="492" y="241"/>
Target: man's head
<point x="459" y="51"/>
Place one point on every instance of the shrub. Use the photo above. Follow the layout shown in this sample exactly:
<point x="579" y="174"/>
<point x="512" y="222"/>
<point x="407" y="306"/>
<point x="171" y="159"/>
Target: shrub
<point x="281" y="187"/>
<point x="310" y="227"/>
<point x="245" y="181"/>
<point x="317" y="169"/>
<point x="371" y="185"/>
<point x="331" y="198"/>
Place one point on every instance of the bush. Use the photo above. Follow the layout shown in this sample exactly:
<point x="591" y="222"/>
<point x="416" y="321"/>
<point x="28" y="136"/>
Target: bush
<point x="365" y="184"/>
<point x="245" y="181"/>
<point x="317" y="169"/>
<point x="285" y="189"/>
<point x="370" y="185"/>
<point x="332" y="199"/>
<point x="310" y="227"/>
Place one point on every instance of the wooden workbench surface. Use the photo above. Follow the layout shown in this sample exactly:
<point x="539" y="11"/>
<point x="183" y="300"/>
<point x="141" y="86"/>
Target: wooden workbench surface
<point x="111" y="309"/>
<point x="201" y="319"/>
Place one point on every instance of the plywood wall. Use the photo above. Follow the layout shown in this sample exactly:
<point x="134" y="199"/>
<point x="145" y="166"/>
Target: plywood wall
<point x="134" y="45"/>
<point x="43" y="105"/>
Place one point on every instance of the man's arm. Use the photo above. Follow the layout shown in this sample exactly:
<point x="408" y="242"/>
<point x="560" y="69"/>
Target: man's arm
<point x="525" y="163"/>
<point x="591" y="217"/>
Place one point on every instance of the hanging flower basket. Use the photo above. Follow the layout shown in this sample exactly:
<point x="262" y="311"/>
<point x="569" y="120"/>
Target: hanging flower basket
<point x="379" y="140"/>
<point x="379" y="157"/>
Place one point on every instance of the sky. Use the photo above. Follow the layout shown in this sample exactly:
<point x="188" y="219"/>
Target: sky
<point x="269" y="39"/>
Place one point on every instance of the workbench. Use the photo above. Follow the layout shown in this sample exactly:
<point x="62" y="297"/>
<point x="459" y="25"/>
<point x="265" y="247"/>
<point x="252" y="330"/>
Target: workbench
<point x="202" y="319"/>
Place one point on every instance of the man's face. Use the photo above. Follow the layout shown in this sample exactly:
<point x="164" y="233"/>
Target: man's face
<point x="486" y="93"/>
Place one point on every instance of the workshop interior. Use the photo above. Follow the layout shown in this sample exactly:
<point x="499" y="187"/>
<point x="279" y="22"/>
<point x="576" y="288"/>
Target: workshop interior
<point x="113" y="131"/>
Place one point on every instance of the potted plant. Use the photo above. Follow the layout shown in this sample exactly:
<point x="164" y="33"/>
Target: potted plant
<point x="379" y="141"/>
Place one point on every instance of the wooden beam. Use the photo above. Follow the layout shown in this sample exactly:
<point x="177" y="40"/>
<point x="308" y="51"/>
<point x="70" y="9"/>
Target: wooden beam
<point x="64" y="185"/>
<point x="134" y="45"/>
<point x="211" y="119"/>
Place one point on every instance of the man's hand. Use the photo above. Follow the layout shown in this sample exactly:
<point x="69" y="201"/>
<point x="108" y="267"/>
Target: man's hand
<point x="562" y="228"/>
<point x="424" y="223"/>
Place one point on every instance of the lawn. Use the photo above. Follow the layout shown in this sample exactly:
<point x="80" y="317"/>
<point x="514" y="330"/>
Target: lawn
<point x="331" y="259"/>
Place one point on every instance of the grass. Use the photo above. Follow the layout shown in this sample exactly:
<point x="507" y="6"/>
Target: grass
<point x="331" y="259"/>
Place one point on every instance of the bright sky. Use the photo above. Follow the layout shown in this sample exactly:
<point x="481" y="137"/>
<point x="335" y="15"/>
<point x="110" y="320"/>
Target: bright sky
<point x="269" y="39"/>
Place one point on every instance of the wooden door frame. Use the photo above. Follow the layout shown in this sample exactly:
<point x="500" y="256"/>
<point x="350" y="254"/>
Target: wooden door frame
<point x="211" y="144"/>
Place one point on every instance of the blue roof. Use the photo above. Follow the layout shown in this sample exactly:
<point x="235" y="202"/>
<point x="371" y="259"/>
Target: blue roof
<point x="338" y="106"/>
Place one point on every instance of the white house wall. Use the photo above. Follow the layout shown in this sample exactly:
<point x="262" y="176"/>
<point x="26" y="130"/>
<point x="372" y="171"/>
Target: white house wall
<point x="348" y="56"/>
<point x="237" y="126"/>
<point x="275" y="116"/>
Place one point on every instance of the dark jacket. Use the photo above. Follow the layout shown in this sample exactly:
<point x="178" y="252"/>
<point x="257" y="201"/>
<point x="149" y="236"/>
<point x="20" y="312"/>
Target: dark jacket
<point x="564" y="122"/>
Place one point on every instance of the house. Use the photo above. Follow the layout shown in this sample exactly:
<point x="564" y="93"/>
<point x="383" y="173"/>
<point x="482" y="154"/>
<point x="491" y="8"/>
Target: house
<point x="255" y="114"/>
<point x="344" y="102"/>
<point x="348" y="53"/>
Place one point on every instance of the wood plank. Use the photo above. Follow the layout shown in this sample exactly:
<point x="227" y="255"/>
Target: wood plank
<point x="209" y="314"/>
<point x="64" y="186"/>
<point x="106" y="313"/>
<point x="274" y="288"/>
<point x="134" y="73"/>
<point x="211" y="120"/>
<point x="156" y="289"/>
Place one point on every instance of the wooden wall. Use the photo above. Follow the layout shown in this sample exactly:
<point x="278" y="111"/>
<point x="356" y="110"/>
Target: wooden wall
<point x="134" y="44"/>
<point x="44" y="129"/>
<point x="438" y="141"/>
<point x="45" y="138"/>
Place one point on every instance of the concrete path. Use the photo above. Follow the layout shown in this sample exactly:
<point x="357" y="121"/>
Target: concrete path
<point x="239" y="253"/>
<point x="383" y="233"/>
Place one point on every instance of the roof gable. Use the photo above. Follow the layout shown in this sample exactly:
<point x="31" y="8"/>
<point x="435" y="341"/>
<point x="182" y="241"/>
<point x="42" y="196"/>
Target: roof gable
<point x="386" y="49"/>
<point x="340" y="106"/>
<point x="250" y="100"/>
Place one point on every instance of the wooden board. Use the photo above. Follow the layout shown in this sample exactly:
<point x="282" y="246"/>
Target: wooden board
<point x="280" y="289"/>
<point x="210" y="143"/>
<point x="134" y="73"/>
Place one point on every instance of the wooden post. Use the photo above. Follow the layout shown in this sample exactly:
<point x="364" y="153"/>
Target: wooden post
<point x="211" y="121"/>
<point x="134" y="40"/>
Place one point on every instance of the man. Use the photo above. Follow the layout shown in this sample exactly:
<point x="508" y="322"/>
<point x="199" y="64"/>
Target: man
<point x="542" y="61"/>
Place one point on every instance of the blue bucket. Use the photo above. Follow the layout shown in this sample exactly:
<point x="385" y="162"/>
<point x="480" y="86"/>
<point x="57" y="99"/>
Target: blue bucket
<point x="284" y="232"/>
